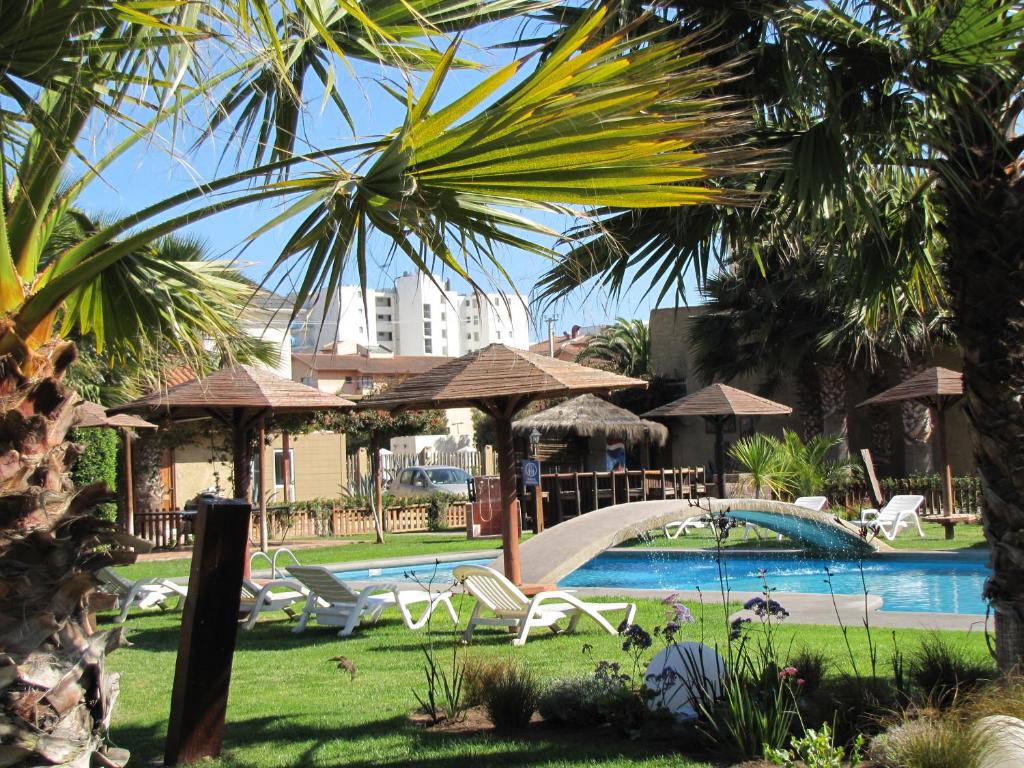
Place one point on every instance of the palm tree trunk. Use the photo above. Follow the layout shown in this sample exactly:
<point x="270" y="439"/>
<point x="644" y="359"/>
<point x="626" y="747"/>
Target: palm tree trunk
<point x="985" y="274"/>
<point x="833" y="406"/>
<point x="808" y="399"/>
<point x="57" y="698"/>
<point x="917" y="429"/>
<point x="882" y="437"/>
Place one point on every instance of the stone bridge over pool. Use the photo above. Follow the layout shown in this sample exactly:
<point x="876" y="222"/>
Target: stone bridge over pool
<point x="550" y="556"/>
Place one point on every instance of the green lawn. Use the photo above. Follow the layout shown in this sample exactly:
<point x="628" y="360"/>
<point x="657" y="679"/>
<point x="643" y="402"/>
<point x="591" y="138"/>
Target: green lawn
<point x="339" y="551"/>
<point x="966" y="537"/>
<point x="289" y="706"/>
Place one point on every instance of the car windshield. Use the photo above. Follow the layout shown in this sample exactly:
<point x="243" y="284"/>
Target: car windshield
<point x="447" y="475"/>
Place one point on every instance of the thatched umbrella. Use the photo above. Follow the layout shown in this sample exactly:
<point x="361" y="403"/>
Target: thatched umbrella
<point x="716" y="403"/>
<point x="500" y="381"/>
<point x="91" y="415"/>
<point x="937" y="388"/>
<point x="240" y="398"/>
<point x="590" y="416"/>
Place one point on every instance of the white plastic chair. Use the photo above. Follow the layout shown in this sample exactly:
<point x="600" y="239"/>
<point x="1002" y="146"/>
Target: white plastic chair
<point x="274" y="595"/>
<point x="676" y="527"/>
<point x="144" y="593"/>
<point x="332" y="602"/>
<point x="511" y="608"/>
<point x="896" y="515"/>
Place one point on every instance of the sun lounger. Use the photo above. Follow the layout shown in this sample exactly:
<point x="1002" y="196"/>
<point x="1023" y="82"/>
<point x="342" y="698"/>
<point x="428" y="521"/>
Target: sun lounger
<point x="676" y="527"/>
<point x="896" y="515"/>
<point x="332" y="602"/>
<point x="274" y="595"/>
<point x="144" y="593"/>
<point x="511" y="608"/>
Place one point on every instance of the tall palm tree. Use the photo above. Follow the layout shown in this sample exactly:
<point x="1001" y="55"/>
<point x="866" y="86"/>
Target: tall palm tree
<point x="623" y="347"/>
<point x="902" y="135"/>
<point x="594" y="125"/>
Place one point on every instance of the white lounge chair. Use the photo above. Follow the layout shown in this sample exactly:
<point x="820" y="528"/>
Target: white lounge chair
<point x="144" y="593"/>
<point x="896" y="515"/>
<point x="815" y="503"/>
<point x="511" y="608"/>
<point x="274" y="595"/>
<point x="676" y="527"/>
<point x="332" y="602"/>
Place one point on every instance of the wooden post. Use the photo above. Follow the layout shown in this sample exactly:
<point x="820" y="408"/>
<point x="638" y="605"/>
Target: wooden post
<point x="129" y="482"/>
<point x="261" y="491"/>
<point x="209" y="625"/>
<point x="286" y="466"/>
<point x="509" y="512"/>
<point x="538" y="505"/>
<point x="941" y="452"/>
<point x="719" y="422"/>
<point x="243" y="438"/>
<point x="489" y="460"/>
<point x="362" y="464"/>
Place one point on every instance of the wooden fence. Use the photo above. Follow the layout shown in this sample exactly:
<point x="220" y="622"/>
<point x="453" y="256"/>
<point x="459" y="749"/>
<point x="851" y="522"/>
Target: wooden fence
<point x="356" y="464"/>
<point x="966" y="493"/>
<point x="164" y="530"/>
<point x="570" y="494"/>
<point x="312" y="522"/>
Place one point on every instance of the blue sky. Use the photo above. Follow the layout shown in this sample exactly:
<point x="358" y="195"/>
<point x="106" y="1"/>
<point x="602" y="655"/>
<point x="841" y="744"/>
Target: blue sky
<point x="152" y="172"/>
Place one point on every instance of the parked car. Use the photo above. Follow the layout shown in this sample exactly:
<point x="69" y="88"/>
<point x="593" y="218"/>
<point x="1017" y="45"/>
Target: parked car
<point x="416" y="481"/>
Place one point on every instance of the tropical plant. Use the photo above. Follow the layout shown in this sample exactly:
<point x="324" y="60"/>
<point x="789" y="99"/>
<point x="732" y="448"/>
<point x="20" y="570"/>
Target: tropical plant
<point x="760" y="456"/>
<point x="791" y="467"/>
<point x="632" y="122"/>
<point x="624" y="348"/>
<point x="904" y="152"/>
<point x="97" y="463"/>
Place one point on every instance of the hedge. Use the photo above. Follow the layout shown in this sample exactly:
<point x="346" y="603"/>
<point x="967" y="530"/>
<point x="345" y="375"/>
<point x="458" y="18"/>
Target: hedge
<point x="98" y="463"/>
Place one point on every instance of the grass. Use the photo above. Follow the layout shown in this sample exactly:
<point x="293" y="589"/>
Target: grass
<point x="967" y="537"/>
<point x="290" y="706"/>
<point x="340" y="550"/>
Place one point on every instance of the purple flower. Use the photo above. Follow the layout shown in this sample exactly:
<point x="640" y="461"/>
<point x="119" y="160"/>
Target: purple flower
<point x="755" y="604"/>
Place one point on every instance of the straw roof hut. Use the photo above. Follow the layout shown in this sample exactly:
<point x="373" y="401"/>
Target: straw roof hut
<point x="590" y="416"/>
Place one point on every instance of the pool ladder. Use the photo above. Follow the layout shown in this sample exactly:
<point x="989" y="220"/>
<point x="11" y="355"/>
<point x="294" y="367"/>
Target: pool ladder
<point x="278" y="573"/>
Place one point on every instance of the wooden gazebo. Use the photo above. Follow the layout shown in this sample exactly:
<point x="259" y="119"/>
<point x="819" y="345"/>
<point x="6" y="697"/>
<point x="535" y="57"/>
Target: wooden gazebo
<point x="938" y="389"/>
<point x="500" y="381"/>
<point x="716" y="403"/>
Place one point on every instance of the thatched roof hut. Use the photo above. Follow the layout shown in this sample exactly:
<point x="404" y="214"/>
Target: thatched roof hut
<point x="590" y="416"/>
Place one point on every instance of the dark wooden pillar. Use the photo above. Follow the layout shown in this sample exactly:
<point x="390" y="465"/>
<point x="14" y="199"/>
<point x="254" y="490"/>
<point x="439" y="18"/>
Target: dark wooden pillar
<point x="209" y="625"/>
<point x="261" y="491"/>
<point x="719" y="424"/>
<point x="940" y="448"/>
<point x="286" y="465"/>
<point x="509" y="507"/>
<point x="129" y="482"/>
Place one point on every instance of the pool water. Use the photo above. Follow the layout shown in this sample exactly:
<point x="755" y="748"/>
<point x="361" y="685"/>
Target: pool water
<point x="422" y="573"/>
<point x="921" y="584"/>
<point x="924" y="584"/>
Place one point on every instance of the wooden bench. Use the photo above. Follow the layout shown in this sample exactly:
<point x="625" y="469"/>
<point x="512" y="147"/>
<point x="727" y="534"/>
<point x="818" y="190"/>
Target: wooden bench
<point x="950" y="521"/>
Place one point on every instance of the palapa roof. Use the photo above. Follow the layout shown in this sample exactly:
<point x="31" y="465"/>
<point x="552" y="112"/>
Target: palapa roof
<point x="398" y="365"/>
<point x="927" y="385"/>
<point x="237" y="387"/>
<point x="89" y="414"/>
<point x="497" y="372"/>
<point x="589" y="415"/>
<point x="721" y="400"/>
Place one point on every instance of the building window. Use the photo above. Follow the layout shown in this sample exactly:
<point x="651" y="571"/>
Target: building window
<point x="386" y="318"/>
<point x="426" y="310"/>
<point x="476" y="337"/>
<point x="444" y="333"/>
<point x="499" y="334"/>
<point x="365" y="382"/>
<point x="309" y="381"/>
<point x="348" y="379"/>
<point x="444" y="315"/>
<point x="428" y="329"/>
<point x="428" y="346"/>
<point x="469" y="337"/>
<point x="385" y="336"/>
<point x="382" y="301"/>
<point x="279" y="467"/>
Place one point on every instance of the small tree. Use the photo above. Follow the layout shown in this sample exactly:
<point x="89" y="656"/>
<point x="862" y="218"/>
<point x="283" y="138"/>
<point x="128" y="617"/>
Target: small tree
<point x="97" y="464"/>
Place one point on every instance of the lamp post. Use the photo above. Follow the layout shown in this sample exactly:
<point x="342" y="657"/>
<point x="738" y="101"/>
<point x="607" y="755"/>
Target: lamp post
<point x="538" y="492"/>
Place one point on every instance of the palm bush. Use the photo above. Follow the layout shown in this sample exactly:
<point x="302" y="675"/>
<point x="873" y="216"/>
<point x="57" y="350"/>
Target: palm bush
<point x="790" y="467"/>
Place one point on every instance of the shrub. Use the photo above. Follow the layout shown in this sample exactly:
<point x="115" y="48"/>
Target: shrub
<point x="478" y="677"/>
<point x="942" y="671"/>
<point x="512" y="698"/>
<point x="437" y="512"/>
<point x="815" y="749"/>
<point x="574" y="701"/>
<point x="98" y="463"/>
<point x="856" y="705"/>
<point x="812" y="667"/>
<point x="1005" y="697"/>
<point x="930" y="742"/>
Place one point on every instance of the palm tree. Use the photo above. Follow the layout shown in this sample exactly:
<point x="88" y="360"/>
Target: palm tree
<point x="582" y="129"/>
<point x="902" y="137"/>
<point x="624" y="347"/>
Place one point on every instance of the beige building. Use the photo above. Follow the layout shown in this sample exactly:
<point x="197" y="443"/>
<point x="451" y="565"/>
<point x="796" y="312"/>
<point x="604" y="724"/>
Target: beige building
<point x="691" y="442"/>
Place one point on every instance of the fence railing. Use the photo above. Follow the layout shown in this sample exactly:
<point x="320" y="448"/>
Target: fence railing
<point x="164" y="530"/>
<point x="392" y="463"/>
<point x="300" y="522"/>
<point x="966" y="493"/>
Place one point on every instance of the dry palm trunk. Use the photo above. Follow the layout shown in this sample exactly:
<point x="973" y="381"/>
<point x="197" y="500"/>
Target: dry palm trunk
<point x="833" y="405"/>
<point x="808" y="400"/>
<point x="985" y="273"/>
<point x="56" y="696"/>
<point x="881" y="426"/>
<point x="917" y="429"/>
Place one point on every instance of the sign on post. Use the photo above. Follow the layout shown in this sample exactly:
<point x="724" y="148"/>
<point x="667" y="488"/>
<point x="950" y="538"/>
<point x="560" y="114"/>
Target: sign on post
<point x="531" y="472"/>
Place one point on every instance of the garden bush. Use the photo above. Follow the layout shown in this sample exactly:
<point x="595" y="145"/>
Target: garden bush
<point x="97" y="463"/>
<point x="512" y="698"/>
<point x="437" y="512"/>
<point x="941" y="671"/>
<point x="478" y="677"/>
<point x="941" y="741"/>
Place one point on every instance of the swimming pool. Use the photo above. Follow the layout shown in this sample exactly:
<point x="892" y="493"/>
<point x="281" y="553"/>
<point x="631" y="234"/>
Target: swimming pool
<point x="924" y="584"/>
<point x="919" y="584"/>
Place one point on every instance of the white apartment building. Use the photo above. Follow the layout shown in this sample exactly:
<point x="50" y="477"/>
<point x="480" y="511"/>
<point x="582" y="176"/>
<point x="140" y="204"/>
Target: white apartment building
<point x="417" y="317"/>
